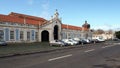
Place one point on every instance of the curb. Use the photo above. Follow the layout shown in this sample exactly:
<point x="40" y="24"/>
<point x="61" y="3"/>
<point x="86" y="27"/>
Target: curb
<point x="44" y="51"/>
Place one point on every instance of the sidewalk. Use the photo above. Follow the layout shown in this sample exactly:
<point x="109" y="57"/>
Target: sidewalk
<point x="18" y="49"/>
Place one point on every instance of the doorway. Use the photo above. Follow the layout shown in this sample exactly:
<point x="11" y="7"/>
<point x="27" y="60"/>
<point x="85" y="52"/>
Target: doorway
<point x="55" y="32"/>
<point x="45" y="36"/>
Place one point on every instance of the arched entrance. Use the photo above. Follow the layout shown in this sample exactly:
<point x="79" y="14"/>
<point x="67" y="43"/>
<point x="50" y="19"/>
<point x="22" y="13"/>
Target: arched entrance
<point x="45" y="36"/>
<point x="55" y="32"/>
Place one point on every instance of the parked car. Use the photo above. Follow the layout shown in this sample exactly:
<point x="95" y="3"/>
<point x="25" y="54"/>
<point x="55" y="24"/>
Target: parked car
<point x="68" y="41"/>
<point x="78" y="40"/>
<point x="83" y="41"/>
<point x="116" y="39"/>
<point x="75" y="42"/>
<point x="3" y="43"/>
<point x="65" y="44"/>
<point x="95" y="41"/>
<point x="57" y="43"/>
<point x="101" y="40"/>
<point x="87" y="40"/>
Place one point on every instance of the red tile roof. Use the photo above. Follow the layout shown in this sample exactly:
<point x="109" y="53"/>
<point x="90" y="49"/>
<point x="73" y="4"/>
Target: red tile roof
<point x="65" y="26"/>
<point x="6" y="18"/>
<point x="19" y="18"/>
<point x="26" y="16"/>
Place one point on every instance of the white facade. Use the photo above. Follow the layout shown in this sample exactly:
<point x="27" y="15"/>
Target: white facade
<point x="104" y="36"/>
<point x="51" y="30"/>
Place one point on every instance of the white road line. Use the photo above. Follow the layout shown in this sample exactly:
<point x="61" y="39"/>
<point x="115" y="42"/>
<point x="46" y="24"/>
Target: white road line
<point x="90" y="50"/>
<point x="60" y="57"/>
<point x="108" y="46"/>
<point x="116" y="43"/>
<point x="104" y="46"/>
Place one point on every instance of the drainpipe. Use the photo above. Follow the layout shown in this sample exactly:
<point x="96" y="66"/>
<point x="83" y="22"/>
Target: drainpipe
<point x="38" y="39"/>
<point x="67" y="31"/>
<point x="25" y="37"/>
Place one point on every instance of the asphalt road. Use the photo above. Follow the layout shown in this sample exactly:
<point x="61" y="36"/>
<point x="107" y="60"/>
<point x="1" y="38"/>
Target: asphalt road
<point x="101" y="55"/>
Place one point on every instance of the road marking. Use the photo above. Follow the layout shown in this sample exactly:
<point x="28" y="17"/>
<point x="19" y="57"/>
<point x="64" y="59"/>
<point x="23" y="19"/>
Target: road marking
<point x="108" y="46"/>
<point x="90" y="50"/>
<point x="60" y="57"/>
<point x="116" y="43"/>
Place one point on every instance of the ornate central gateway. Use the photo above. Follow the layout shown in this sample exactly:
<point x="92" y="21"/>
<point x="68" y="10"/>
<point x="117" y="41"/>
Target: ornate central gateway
<point x="55" y="32"/>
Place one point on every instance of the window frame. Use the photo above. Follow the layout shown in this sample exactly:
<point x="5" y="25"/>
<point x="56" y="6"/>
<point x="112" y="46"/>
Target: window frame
<point x="12" y="34"/>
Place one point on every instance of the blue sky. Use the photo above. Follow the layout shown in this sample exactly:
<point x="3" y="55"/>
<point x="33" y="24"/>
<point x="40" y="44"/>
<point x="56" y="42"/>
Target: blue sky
<point x="103" y="14"/>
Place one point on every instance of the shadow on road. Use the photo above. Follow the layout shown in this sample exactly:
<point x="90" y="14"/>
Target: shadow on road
<point x="105" y="66"/>
<point x="109" y="63"/>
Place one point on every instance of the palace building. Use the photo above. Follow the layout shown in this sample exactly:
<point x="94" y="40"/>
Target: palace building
<point x="16" y="27"/>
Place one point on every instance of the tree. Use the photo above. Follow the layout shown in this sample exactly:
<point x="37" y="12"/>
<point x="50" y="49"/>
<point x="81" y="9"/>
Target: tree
<point x="110" y="31"/>
<point x="99" y="31"/>
<point x="117" y="34"/>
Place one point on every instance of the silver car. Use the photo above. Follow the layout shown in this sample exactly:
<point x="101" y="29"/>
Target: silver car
<point x="57" y="42"/>
<point x="3" y="43"/>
